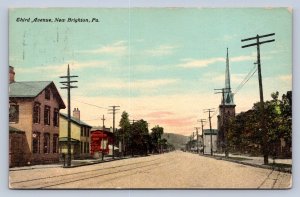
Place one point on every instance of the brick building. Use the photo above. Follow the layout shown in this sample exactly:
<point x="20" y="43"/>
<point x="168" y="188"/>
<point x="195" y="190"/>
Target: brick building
<point x="34" y="114"/>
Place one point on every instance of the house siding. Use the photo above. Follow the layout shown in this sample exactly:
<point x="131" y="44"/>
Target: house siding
<point x="25" y="123"/>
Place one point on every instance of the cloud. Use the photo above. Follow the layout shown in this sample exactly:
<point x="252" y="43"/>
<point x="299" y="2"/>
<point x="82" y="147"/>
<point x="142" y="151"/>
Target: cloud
<point x="174" y="122"/>
<point x="162" y="50"/>
<point x="159" y="114"/>
<point x="55" y="69"/>
<point x="153" y="83"/>
<point x="117" y="48"/>
<point x="242" y="58"/>
<point x="135" y="84"/>
<point x="285" y="78"/>
<point x="234" y="78"/>
<point x="199" y="63"/>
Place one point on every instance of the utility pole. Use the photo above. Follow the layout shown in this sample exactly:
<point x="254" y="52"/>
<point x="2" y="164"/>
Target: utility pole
<point x="190" y="144"/>
<point x="202" y="121"/>
<point x="113" y="110"/>
<point x="209" y="118"/>
<point x="224" y="128"/>
<point x="197" y="138"/>
<point x="102" y="141"/>
<point x="103" y="119"/>
<point x="263" y="126"/>
<point x="68" y="85"/>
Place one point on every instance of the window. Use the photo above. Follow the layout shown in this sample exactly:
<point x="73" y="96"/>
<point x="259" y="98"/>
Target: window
<point x="81" y="131"/>
<point x="84" y="147"/>
<point x="46" y="143"/>
<point x="88" y="132"/>
<point x="36" y="113"/>
<point x="87" y="147"/>
<point x="47" y="115"/>
<point x="55" y="117"/>
<point x="14" y="113"/>
<point x="55" y="143"/>
<point x="36" y="142"/>
<point x="47" y="94"/>
<point x="81" y="147"/>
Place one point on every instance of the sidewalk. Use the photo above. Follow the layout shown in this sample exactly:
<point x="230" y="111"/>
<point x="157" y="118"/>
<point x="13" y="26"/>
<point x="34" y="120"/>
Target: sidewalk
<point x="74" y="163"/>
<point x="283" y="165"/>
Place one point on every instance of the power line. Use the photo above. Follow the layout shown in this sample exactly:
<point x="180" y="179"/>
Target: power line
<point x="90" y="104"/>
<point x="246" y="79"/>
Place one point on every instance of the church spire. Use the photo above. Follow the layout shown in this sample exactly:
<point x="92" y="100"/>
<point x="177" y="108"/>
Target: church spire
<point x="228" y="95"/>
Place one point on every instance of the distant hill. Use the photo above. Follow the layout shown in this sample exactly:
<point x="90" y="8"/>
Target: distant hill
<point x="176" y="139"/>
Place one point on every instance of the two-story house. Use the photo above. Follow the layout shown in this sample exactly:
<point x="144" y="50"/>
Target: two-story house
<point x="34" y="109"/>
<point x="80" y="135"/>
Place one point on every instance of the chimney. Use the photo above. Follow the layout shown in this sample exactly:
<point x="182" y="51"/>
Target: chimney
<point x="76" y="113"/>
<point x="11" y="74"/>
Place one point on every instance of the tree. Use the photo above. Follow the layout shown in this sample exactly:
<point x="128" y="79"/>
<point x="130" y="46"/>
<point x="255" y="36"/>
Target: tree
<point x="156" y="134"/>
<point x="245" y="133"/>
<point x="123" y="134"/>
<point x="139" y="137"/>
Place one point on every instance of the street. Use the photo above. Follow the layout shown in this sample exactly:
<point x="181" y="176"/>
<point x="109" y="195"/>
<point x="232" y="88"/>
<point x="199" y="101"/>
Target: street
<point x="170" y="170"/>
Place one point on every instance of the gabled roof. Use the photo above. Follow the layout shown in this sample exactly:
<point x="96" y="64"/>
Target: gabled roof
<point x="31" y="89"/>
<point x="27" y="88"/>
<point x="74" y="120"/>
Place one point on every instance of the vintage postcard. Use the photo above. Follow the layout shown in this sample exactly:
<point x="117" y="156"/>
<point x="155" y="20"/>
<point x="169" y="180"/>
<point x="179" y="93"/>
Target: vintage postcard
<point x="155" y="98"/>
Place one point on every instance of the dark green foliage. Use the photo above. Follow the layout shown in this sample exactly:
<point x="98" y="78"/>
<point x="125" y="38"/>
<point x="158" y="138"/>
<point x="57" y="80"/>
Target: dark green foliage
<point x="245" y="133"/>
<point x="136" y="139"/>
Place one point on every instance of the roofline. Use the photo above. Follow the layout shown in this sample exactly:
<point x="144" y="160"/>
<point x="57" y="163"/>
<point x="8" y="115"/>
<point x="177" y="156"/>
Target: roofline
<point x="59" y="96"/>
<point x="64" y="116"/>
<point x="63" y="106"/>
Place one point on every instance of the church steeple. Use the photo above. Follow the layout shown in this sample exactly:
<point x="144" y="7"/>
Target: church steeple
<point x="228" y="95"/>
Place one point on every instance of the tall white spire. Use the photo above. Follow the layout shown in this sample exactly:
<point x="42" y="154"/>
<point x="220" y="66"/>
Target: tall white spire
<point x="228" y="95"/>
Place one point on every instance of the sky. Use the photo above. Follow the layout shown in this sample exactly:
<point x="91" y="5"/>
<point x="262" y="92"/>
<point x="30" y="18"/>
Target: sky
<point x="158" y="64"/>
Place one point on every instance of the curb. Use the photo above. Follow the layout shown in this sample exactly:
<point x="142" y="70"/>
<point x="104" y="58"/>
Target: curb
<point x="104" y="161"/>
<point x="94" y="162"/>
<point x="77" y="165"/>
<point x="286" y="170"/>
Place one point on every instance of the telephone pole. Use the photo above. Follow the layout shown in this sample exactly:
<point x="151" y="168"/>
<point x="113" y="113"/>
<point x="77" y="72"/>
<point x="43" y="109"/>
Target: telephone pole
<point x="209" y="118"/>
<point x="197" y="137"/>
<point x="103" y="119"/>
<point x="262" y="123"/>
<point x="68" y="85"/>
<point x="224" y="128"/>
<point x="102" y="141"/>
<point x="113" y="110"/>
<point x="202" y="121"/>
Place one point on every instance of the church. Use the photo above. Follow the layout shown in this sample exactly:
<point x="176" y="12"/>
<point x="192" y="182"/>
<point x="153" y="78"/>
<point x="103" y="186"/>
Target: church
<point x="226" y="110"/>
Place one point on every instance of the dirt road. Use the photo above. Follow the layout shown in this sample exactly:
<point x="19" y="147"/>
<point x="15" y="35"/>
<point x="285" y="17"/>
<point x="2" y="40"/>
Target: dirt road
<point x="170" y="170"/>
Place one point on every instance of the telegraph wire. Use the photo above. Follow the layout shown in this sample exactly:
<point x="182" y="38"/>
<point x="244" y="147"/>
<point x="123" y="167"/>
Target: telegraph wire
<point x="90" y="104"/>
<point x="246" y="79"/>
